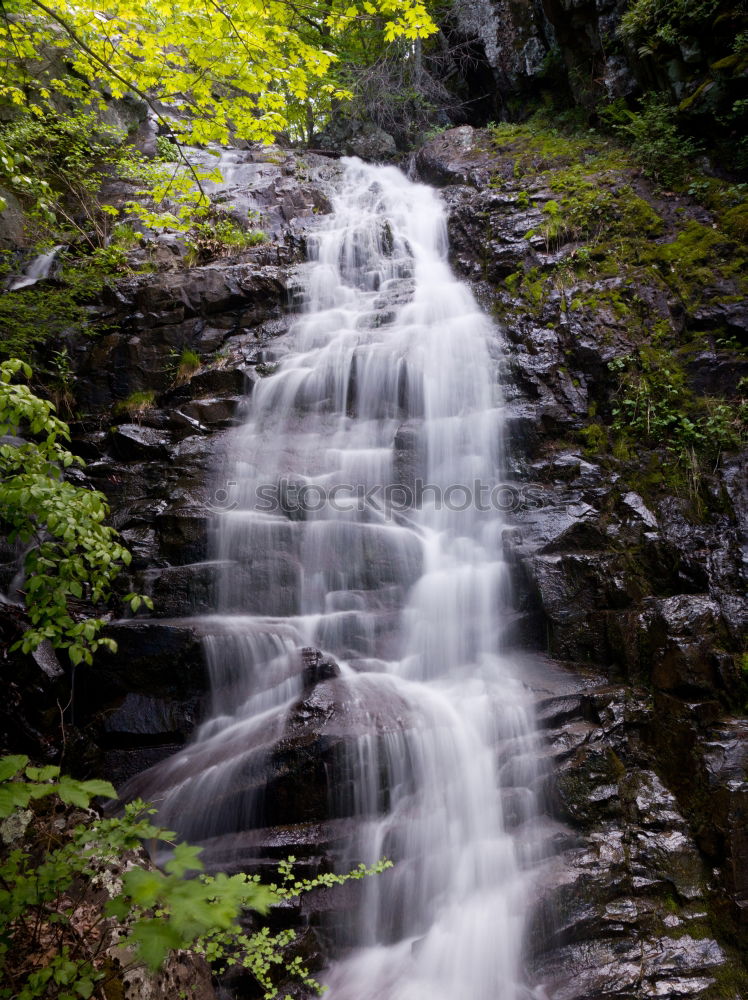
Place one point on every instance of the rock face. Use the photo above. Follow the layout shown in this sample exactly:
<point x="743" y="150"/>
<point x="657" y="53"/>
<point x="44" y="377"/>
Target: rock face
<point x="627" y="902"/>
<point x="532" y="46"/>
<point x="524" y="48"/>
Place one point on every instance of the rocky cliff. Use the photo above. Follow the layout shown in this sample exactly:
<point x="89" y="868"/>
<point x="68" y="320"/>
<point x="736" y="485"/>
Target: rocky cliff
<point x="588" y="54"/>
<point x="627" y="550"/>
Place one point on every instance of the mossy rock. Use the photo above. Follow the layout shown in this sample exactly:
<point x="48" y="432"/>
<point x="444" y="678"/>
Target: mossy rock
<point x="735" y="222"/>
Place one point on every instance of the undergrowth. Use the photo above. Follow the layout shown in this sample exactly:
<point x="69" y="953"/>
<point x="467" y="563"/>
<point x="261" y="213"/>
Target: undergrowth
<point x="45" y="312"/>
<point x="618" y="250"/>
<point x="219" y="236"/>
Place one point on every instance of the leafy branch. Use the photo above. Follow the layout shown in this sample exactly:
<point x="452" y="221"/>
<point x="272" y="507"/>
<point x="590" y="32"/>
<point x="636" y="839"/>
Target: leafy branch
<point x="57" y="938"/>
<point x="71" y="556"/>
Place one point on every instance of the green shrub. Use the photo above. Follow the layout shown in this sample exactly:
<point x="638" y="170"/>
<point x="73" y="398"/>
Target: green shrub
<point x="71" y="556"/>
<point x="41" y="314"/>
<point x="219" y="237"/>
<point x="649" y="22"/>
<point x="595" y="440"/>
<point x="653" y="405"/>
<point x="662" y="152"/>
<point x="189" y="363"/>
<point x="166" y="150"/>
<point x="56" y="165"/>
<point x="56" y="933"/>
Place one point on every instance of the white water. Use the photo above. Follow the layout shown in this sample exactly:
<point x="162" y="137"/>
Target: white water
<point x="391" y="364"/>
<point x="38" y="269"/>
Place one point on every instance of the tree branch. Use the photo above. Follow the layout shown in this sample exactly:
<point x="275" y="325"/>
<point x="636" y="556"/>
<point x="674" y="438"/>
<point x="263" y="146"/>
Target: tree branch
<point x="84" y="47"/>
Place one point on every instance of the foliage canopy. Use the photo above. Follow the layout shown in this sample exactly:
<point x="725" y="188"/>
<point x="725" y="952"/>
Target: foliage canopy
<point x="234" y="67"/>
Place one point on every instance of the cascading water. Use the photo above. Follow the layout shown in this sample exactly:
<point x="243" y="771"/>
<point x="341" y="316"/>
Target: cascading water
<point x="365" y="523"/>
<point x="37" y="270"/>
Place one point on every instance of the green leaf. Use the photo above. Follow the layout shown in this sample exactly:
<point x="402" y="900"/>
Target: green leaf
<point x="143" y="886"/>
<point x="96" y="786"/>
<point x="154" y="940"/>
<point x="13" y="796"/>
<point x="80" y="793"/>
<point x="185" y="858"/>
<point x="118" y="907"/>
<point x="43" y="773"/>
<point x="10" y="766"/>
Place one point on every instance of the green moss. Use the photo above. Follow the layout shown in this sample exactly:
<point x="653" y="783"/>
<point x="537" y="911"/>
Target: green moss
<point x="695" y="258"/>
<point x="735" y="222"/>
<point x="594" y="439"/>
<point x="690" y="103"/>
<point x="670" y="904"/>
<point x="613" y="231"/>
<point x="731" y="982"/>
<point x="736" y="64"/>
<point x="694" y="247"/>
<point x="537" y="146"/>
<point x="528" y="285"/>
<point x="638" y="216"/>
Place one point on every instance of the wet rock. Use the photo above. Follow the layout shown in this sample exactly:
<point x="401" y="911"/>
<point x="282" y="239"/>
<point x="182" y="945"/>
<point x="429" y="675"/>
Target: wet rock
<point x="373" y="144"/>
<point x="12" y="220"/>
<point x="316" y="668"/>
<point x="132" y="442"/>
<point x="218" y="382"/>
<point x="637" y="510"/>
<point x="218" y="412"/>
<point x="623" y="911"/>
<point x="686" y="633"/>
<point x="183" y="973"/>
<point x="354" y="137"/>
<point x="183" y="534"/>
<point x="182" y="591"/>
<point x="455" y="157"/>
<point x="155" y="659"/>
<point x="713" y="373"/>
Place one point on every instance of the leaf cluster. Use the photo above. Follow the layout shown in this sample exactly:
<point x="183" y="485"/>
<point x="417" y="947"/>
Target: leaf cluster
<point x="667" y="21"/>
<point x="71" y="555"/>
<point x="55" y="944"/>
<point x="663" y="152"/>
<point x="654" y="405"/>
<point x="218" y="237"/>
<point x="234" y="66"/>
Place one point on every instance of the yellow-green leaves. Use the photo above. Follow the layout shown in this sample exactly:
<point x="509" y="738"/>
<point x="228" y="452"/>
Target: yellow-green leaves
<point x="234" y="65"/>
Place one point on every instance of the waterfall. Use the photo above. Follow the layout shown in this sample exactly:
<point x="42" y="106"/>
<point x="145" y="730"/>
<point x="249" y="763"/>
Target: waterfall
<point x="37" y="270"/>
<point x="364" y="519"/>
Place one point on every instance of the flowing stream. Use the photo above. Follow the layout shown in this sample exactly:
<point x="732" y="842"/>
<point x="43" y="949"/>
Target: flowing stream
<point x="360" y="521"/>
<point x="37" y="270"/>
